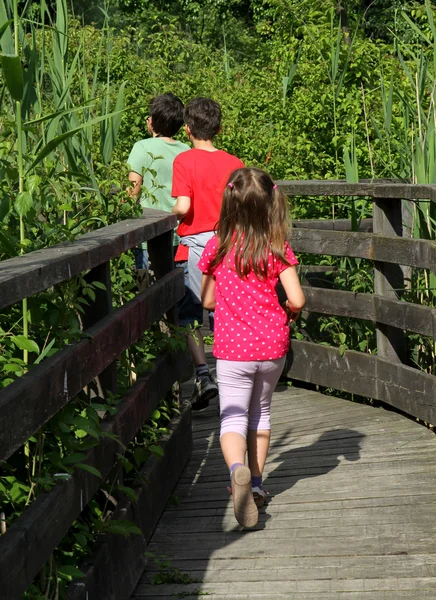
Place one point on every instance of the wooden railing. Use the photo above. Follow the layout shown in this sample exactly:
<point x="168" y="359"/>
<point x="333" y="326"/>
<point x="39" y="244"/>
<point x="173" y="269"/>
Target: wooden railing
<point x="384" y="376"/>
<point x="32" y="400"/>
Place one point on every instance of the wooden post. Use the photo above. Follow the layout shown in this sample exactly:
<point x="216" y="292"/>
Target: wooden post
<point x="389" y="278"/>
<point x="161" y="253"/>
<point x="98" y="309"/>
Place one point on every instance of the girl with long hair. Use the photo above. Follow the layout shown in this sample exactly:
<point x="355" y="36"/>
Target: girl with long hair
<point x="241" y="267"/>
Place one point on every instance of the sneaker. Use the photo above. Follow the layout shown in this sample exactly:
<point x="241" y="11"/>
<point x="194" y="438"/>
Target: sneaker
<point x="205" y="389"/>
<point x="246" y="512"/>
<point x="259" y="496"/>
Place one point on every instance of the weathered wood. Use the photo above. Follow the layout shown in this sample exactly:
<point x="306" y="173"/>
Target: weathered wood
<point x="403" y="251"/>
<point x="23" y="276"/>
<point x="376" y="189"/>
<point x="97" y="309"/>
<point x="113" y="570"/>
<point x="371" y="307"/>
<point x="30" y="540"/>
<point x="32" y="400"/>
<point x="338" y="525"/>
<point x="389" y="279"/>
<point x="367" y="375"/>
<point x="330" y="224"/>
<point x="161" y="255"/>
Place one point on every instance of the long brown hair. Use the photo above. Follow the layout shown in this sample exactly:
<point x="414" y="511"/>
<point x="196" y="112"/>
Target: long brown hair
<point x="254" y="220"/>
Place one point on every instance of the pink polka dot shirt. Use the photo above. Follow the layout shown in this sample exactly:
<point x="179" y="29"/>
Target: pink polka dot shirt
<point x="250" y="324"/>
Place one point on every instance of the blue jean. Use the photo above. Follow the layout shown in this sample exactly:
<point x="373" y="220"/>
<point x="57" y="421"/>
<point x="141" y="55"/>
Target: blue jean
<point x="141" y="258"/>
<point x="188" y="309"/>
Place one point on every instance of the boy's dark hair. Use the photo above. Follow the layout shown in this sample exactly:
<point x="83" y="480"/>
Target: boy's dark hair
<point x="203" y="116"/>
<point x="166" y="112"/>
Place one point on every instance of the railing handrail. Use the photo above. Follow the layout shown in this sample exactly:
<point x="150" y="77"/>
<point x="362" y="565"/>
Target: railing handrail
<point x="376" y="189"/>
<point x="33" y="399"/>
<point x="22" y="276"/>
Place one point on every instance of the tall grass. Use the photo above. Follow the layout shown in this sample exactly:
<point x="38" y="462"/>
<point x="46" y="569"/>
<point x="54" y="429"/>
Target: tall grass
<point x="408" y="131"/>
<point x="52" y="124"/>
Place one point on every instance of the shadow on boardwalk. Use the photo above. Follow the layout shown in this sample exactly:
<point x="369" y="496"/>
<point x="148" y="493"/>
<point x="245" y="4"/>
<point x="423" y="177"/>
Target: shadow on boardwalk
<point x="287" y="467"/>
<point x="352" y="513"/>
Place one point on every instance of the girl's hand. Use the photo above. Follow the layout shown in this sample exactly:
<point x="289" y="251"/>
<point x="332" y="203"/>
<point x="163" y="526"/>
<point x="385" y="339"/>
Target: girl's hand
<point x="290" y="312"/>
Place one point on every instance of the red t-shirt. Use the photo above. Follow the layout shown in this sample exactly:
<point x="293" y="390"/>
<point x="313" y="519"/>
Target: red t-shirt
<point x="250" y="324"/>
<point x="202" y="176"/>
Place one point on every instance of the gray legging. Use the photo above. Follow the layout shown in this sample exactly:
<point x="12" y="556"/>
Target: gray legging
<point x="245" y="391"/>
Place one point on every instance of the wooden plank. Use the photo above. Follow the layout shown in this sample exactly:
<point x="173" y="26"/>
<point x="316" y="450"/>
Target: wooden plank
<point x="23" y="276"/>
<point x="372" y="307"/>
<point x="32" y="400"/>
<point x="155" y="594"/>
<point x="100" y="307"/>
<point x="30" y="540"/>
<point x="335" y="224"/>
<point x="389" y="280"/>
<point x="367" y="375"/>
<point x="117" y="563"/>
<point x="402" y="251"/>
<point x="391" y="190"/>
<point x="341" y="521"/>
<point x="161" y="254"/>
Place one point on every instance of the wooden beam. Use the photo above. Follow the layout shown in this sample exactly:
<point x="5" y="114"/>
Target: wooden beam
<point x="407" y="389"/>
<point x="402" y="251"/>
<point x="30" y="401"/>
<point x="117" y="564"/>
<point x="370" y="307"/>
<point x="389" y="278"/>
<point x="375" y="189"/>
<point x="99" y="308"/>
<point x="335" y="225"/>
<point x="28" y="543"/>
<point x="22" y="276"/>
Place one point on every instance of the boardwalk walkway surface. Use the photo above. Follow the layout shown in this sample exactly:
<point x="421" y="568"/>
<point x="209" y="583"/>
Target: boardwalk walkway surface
<point x="352" y="514"/>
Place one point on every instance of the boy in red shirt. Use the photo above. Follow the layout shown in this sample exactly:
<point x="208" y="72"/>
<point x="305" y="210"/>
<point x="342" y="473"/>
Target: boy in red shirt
<point x="199" y="179"/>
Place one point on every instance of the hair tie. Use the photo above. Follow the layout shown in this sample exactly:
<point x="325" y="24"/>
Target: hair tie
<point x="274" y="186"/>
<point x="230" y="185"/>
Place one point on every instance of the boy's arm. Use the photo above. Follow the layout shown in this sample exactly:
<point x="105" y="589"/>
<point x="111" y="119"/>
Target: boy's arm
<point x="182" y="206"/>
<point x="182" y="189"/>
<point x="136" y="180"/>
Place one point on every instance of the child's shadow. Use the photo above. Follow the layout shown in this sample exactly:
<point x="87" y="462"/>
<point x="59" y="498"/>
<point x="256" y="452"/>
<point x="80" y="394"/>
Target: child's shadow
<point x="314" y="460"/>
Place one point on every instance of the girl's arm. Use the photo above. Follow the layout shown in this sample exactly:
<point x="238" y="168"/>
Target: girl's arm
<point x="295" y="296"/>
<point x="208" y="292"/>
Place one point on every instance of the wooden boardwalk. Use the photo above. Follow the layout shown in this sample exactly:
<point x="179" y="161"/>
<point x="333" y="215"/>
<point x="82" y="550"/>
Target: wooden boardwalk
<point x="352" y="513"/>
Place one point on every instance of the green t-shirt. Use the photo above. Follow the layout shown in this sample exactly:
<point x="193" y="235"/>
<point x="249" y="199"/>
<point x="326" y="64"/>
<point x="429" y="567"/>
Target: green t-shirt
<point x="153" y="159"/>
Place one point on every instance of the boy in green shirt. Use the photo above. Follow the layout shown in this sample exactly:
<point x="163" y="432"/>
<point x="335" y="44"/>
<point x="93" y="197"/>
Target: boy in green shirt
<point x="151" y="161"/>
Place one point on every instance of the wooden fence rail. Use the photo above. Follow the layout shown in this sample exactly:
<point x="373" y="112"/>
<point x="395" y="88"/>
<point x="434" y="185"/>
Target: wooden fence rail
<point x="384" y="376"/>
<point x="32" y="400"/>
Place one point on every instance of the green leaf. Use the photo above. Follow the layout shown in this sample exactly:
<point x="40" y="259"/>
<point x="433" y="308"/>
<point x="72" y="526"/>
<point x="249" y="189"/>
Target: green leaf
<point x="44" y="352"/>
<point x="129" y="492"/>
<point x="4" y="29"/>
<point x="32" y="183"/>
<point x="23" y="203"/>
<point x="90" y="469"/>
<point x="121" y="527"/>
<point x="156" y="450"/>
<point x="71" y="459"/>
<point x="12" y="368"/>
<point x="13" y="75"/>
<point x="24" y="343"/>
<point x="55" y="142"/>
<point x="70" y="571"/>
<point x="7" y="246"/>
